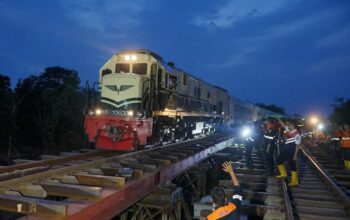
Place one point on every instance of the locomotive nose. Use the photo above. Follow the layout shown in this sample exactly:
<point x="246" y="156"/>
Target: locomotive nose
<point x="119" y="90"/>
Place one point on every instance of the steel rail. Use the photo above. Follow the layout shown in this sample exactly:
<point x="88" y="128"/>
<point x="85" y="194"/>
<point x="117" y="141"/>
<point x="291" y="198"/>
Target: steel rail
<point x="330" y="183"/>
<point x="105" y="200"/>
<point x="4" y="185"/>
<point x="288" y="211"/>
<point x="53" y="161"/>
<point x="71" y="158"/>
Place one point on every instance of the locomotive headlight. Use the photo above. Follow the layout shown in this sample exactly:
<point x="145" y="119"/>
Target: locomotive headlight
<point x="130" y="113"/>
<point x="98" y="111"/>
<point x="127" y="57"/>
<point x="133" y="57"/>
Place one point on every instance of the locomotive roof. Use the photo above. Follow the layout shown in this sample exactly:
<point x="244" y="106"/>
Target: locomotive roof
<point x="172" y="69"/>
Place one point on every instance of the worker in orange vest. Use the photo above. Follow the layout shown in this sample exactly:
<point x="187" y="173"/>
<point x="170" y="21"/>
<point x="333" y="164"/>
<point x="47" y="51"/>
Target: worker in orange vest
<point x="335" y="140"/>
<point x="226" y="208"/>
<point x="345" y="146"/>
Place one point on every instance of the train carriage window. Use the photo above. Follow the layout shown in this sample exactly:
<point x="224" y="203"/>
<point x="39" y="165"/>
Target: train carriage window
<point x="122" y="68"/>
<point x="166" y="79"/>
<point x="139" y="68"/>
<point x="184" y="79"/>
<point x="153" y="68"/>
<point x="172" y="82"/>
<point x="197" y="92"/>
<point x="160" y="73"/>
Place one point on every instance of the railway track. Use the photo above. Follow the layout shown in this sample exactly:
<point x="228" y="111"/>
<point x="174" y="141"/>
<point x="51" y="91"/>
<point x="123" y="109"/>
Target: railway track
<point x="331" y="163"/>
<point x="318" y="196"/>
<point x="77" y="186"/>
<point x="50" y="162"/>
<point x="264" y="197"/>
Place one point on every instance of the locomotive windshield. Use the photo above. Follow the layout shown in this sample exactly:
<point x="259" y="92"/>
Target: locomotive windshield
<point x="122" y="68"/>
<point x="139" y="68"/>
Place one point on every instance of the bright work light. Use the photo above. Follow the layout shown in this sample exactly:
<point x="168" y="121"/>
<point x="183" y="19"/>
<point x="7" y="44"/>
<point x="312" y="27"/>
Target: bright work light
<point x="246" y="132"/>
<point x="320" y="126"/>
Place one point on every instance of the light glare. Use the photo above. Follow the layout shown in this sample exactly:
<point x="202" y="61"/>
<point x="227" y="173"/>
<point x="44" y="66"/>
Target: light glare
<point x="320" y="126"/>
<point x="246" y="132"/>
<point x="127" y="57"/>
<point x="130" y="113"/>
<point x="314" y="120"/>
<point x="98" y="111"/>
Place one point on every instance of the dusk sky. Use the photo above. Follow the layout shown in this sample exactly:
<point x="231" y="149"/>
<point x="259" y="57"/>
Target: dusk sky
<point x="291" y="53"/>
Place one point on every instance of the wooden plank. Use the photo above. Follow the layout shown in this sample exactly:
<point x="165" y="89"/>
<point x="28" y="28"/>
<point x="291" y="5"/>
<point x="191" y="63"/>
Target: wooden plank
<point x="20" y="161"/>
<point x="31" y="190"/>
<point x="99" y="180"/>
<point x="84" y="150"/>
<point x="69" y="153"/>
<point x="48" y="157"/>
<point x="145" y="167"/>
<point x="69" y="179"/>
<point x="109" y="171"/>
<point x="173" y="158"/>
<point x="162" y="162"/>
<point x="72" y="191"/>
<point x="31" y="206"/>
<point x="11" y="203"/>
<point x="181" y="155"/>
<point x="95" y="171"/>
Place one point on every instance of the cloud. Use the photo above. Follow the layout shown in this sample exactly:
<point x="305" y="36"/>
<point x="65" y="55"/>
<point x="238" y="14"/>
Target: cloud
<point x="227" y="14"/>
<point x="105" y="15"/>
<point x="241" y="57"/>
<point x="330" y="65"/>
<point x="246" y="47"/>
<point x="338" y="37"/>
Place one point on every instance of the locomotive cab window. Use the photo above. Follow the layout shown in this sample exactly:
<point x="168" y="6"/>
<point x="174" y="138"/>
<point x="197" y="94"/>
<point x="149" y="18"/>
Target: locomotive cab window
<point x="122" y="68"/>
<point x="139" y="68"/>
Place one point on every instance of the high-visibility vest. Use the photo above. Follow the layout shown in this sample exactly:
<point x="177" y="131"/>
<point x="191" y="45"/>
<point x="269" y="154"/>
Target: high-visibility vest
<point x="336" y="136"/>
<point x="291" y="137"/>
<point x="222" y="212"/>
<point x="345" y="139"/>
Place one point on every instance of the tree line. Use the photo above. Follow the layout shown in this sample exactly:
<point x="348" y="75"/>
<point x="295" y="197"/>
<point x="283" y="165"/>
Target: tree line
<point x="42" y="114"/>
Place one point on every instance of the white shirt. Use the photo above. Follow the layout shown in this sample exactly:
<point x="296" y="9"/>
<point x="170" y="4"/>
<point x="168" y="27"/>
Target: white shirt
<point x="297" y="139"/>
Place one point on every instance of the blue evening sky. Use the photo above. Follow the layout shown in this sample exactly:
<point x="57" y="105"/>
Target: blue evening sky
<point x="292" y="53"/>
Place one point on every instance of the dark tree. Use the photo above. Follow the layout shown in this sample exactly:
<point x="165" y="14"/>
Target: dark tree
<point x="271" y="107"/>
<point x="50" y="117"/>
<point x="5" y="112"/>
<point x="341" y="111"/>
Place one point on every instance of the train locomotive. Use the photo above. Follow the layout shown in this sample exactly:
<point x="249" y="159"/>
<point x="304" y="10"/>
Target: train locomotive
<point x="144" y="99"/>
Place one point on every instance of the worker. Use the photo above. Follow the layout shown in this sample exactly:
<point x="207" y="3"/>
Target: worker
<point x="270" y="146"/>
<point x="345" y="145"/>
<point x="335" y="140"/>
<point x="224" y="208"/>
<point x="289" y="151"/>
